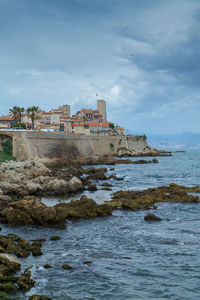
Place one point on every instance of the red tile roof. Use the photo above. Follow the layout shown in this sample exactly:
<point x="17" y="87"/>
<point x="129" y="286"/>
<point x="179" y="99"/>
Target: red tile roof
<point x="6" y="118"/>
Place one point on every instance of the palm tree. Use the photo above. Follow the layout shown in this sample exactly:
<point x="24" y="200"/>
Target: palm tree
<point x="16" y="113"/>
<point x="32" y="113"/>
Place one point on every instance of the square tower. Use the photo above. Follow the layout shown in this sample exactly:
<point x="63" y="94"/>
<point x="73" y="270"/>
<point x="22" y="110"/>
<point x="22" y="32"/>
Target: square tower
<point x="101" y="107"/>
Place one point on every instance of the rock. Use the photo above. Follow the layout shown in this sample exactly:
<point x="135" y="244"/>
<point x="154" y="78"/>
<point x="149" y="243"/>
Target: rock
<point x="87" y="262"/>
<point x="67" y="267"/>
<point x="107" y="189"/>
<point x="29" y="211"/>
<point x="25" y="282"/>
<point x="146" y="199"/>
<point x="39" y="297"/>
<point x="112" y="169"/>
<point x="75" y="184"/>
<point x="9" y="264"/>
<point x="98" y="176"/>
<point x="92" y="187"/>
<point x="95" y="170"/>
<point x="152" y="217"/>
<point x="84" y="208"/>
<point x="8" y="288"/>
<point x="154" y="160"/>
<point x="55" y="238"/>
<point x="115" y="177"/>
<point x="47" y="266"/>
<point x="1" y="192"/>
<point x="106" y="184"/>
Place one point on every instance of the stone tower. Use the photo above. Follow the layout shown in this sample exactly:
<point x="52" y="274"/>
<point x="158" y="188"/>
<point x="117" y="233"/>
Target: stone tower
<point x="66" y="109"/>
<point x="101" y="107"/>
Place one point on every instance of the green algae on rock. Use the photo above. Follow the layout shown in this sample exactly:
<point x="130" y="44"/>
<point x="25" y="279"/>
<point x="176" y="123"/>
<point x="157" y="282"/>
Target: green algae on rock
<point x="146" y="199"/>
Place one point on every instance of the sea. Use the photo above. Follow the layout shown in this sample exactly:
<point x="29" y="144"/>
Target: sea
<point x="127" y="258"/>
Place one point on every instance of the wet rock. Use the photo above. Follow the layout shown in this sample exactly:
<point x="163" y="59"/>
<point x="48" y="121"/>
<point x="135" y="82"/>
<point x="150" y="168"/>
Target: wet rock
<point x="25" y="282"/>
<point x="29" y="211"/>
<point x="107" y="189"/>
<point x="8" y="288"/>
<point x="95" y="170"/>
<point x="112" y="176"/>
<point x="39" y="297"/>
<point x="92" y="187"/>
<point x="84" y="208"/>
<point x="55" y="238"/>
<point x="106" y="184"/>
<point x="67" y="267"/>
<point x="87" y="262"/>
<point x="47" y="266"/>
<point x="146" y="199"/>
<point x="9" y="264"/>
<point x="14" y="244"/>
<point x="98" y="176"/>
<point x="154" y="160"/>
<point x="112" y="169"/>
<point x="152" y="218"/>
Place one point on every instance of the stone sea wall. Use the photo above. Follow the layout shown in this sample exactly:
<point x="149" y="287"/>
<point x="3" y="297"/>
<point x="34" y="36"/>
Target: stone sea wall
<point x="28" y="144"/>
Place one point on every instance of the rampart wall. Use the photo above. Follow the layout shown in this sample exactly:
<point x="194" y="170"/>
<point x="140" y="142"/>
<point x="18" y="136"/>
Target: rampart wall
<point x="29" y="144"/>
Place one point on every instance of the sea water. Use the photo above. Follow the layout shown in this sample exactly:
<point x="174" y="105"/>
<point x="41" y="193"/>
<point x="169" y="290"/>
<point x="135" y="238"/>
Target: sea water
<point x="129" y="258"/>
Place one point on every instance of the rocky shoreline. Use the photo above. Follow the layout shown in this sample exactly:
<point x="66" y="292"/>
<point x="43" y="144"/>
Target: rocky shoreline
<point x="22" y="185"/>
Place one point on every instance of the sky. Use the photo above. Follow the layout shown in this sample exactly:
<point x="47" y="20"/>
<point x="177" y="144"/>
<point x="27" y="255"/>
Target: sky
<point x="141" y="56"/>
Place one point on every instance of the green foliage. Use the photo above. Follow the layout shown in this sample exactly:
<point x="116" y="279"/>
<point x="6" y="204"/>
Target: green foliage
<point x="111" y="146"/>
<point x="16" y="113"/>
<point x="111" y="125"/>
<point x="21" y="125"/>
<point x="6" y="153"/>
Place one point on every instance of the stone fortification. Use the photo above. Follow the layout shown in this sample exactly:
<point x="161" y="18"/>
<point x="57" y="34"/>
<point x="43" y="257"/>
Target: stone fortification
<point x="28" y="144"/>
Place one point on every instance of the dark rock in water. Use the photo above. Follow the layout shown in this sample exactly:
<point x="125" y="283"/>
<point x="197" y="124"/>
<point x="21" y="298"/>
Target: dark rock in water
<point x="92" y="187"/>
<point x="98" y="176"/>
<point x="152" y="217"/>
<point x="47" y="266"/>
<point x="95" y="170"/>
<point x="8" y="288"/>
<point x="146" y="199"/>
<point x="106" y="184"/>
<point x="55" y="238"/>
<point x="115" y="177"/>
<point x="112" y="169"/>
<point x="107" y="189"/>
<point x="84" y="208"/>
<point x="31" y="211"/>
<point x="36" y="247"/>
<point x="39" y="297"/>
<point x="154" y="160"/>
<point x="25" y="282"/>
<point x="87" y="262"/>
<point x="67" y="267"/>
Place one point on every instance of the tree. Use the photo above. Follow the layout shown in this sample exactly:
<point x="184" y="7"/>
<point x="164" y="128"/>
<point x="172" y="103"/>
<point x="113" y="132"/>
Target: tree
<point x="16" y="113"/>
<point x="32" y="113"/>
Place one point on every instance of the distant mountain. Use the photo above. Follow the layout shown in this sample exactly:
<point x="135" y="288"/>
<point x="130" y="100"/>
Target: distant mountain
<point x="175" y="141"/>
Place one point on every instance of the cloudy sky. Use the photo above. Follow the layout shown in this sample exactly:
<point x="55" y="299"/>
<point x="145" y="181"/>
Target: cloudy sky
<point x="141" y="56"/>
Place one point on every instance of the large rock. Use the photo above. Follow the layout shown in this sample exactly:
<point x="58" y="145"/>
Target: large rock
<point x="8" y="264"/>
<point x="146" y="199"/>
<point x="84" y="208"/>
<point x="31" y="211"/>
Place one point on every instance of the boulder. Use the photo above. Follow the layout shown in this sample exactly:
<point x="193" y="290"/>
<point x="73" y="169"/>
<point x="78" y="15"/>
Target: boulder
<point x="24" y="281"/>
<point x="152" y="218"/>
<point x="9" y="264"/>
<point x="92" y="187"/>
<point x="83" y="208"/>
